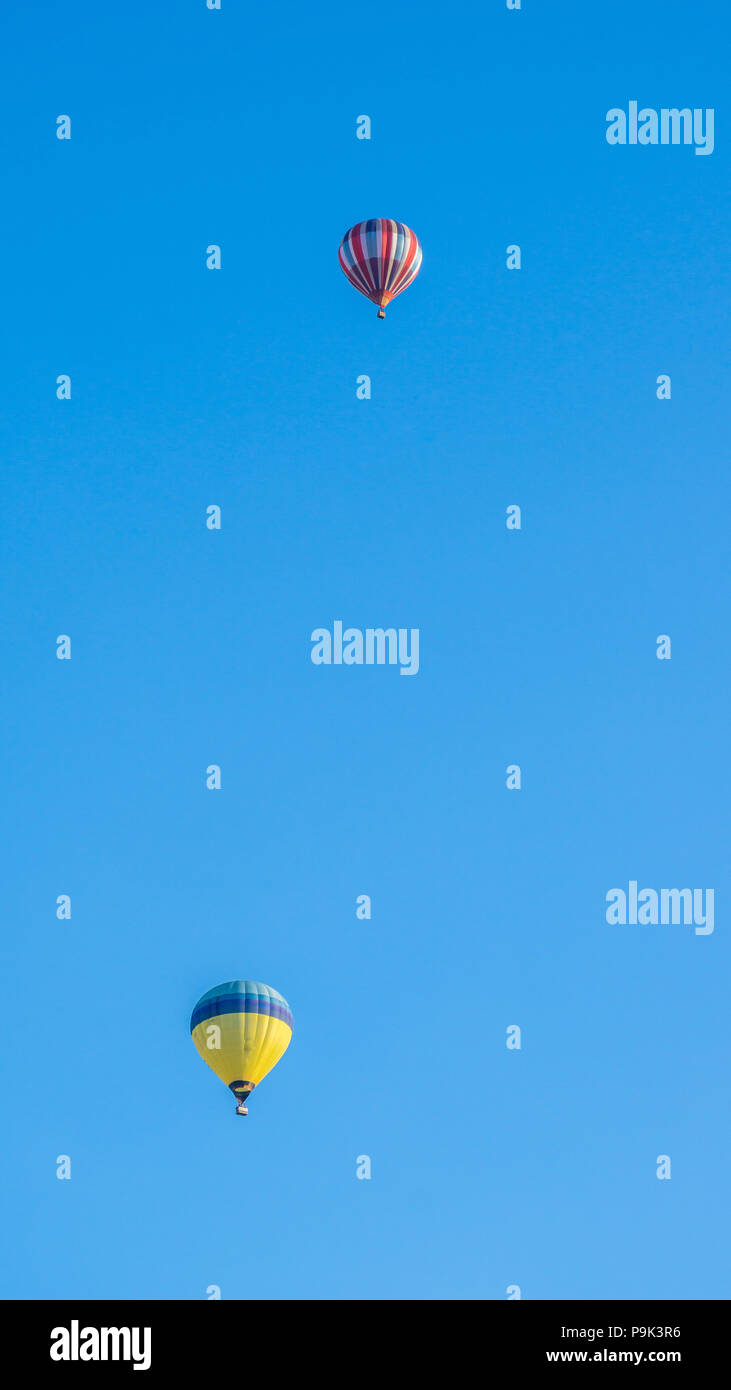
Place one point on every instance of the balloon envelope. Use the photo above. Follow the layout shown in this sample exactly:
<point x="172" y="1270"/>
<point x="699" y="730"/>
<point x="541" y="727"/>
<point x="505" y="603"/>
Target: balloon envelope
<point x="381" y="258"/>
<point x="241" y="1029"/>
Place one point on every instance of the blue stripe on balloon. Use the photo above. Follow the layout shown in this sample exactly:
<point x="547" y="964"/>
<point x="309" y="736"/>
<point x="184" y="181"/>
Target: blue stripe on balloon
<point x="239" y="1004"/>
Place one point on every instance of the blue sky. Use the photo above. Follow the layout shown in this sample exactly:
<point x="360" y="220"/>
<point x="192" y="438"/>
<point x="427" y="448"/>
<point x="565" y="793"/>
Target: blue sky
<point x="489" y="388"/>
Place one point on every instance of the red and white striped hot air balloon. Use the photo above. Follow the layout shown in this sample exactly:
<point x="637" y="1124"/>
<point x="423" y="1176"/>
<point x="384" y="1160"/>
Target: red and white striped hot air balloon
<point x="381" y="258"/>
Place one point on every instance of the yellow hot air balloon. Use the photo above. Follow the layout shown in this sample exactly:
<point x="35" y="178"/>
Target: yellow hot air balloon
<point x="241" y="1029"/>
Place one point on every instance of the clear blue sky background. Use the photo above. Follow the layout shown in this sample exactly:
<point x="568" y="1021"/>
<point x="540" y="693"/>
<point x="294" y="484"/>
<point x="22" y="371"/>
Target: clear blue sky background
<point x="489" y="1167"/>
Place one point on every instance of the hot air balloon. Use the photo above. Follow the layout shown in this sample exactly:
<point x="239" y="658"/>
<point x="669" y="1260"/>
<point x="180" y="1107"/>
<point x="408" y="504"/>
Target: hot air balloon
<point x="381" y="258"/>
<point x="241" y="1029"/>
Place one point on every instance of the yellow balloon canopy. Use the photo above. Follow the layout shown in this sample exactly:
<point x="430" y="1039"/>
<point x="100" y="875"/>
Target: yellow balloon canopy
<point x="241" y="1029"/>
